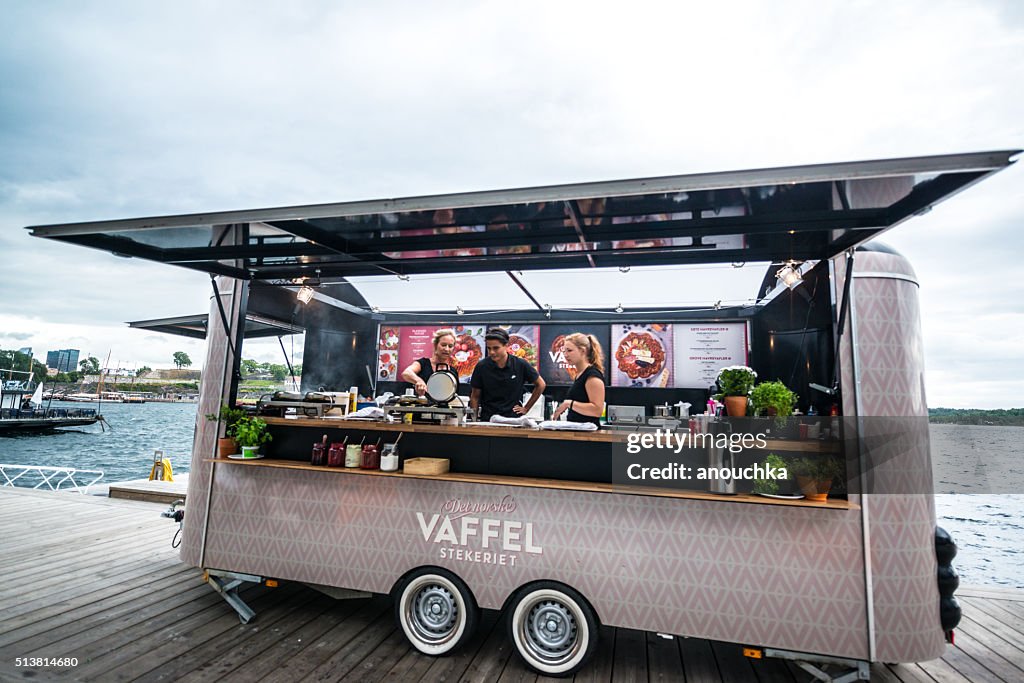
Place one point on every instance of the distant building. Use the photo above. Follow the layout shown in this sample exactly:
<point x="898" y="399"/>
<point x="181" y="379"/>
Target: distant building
<point x="27" y="350"/>
<point x="64" y="360"/>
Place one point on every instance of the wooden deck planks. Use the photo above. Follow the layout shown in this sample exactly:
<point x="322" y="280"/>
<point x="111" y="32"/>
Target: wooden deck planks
<point x="97" y="579"/>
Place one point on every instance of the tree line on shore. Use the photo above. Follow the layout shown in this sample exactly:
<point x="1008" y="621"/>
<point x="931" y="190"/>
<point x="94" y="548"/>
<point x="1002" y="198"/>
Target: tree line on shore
<point x="977" y="416"/>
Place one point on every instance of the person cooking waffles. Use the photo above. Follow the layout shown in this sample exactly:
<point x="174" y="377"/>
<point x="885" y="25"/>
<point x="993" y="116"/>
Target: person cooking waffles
<point x="422" y="368"/>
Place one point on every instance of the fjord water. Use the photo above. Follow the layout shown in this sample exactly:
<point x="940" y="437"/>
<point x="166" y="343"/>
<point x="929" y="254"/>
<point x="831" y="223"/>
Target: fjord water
<point x="988" y="528"/>
<point x="123" y="451"/>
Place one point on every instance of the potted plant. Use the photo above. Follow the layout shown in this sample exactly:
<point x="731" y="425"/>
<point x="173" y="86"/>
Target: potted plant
<point x="734" y="384"/>
<point x="227" y="445"/>
<point x="814" y="476"/>
<point x="774" y="398"/>
<point x="251" y="433"/>
<point x="769" y="486"/>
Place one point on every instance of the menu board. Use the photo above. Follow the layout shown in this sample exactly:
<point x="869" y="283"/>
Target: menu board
<point x="702" y="349"/>
<point x="637" y="355"/>
<point x="415" y="342"/>
<point x="641" y="355"/>
<point x="553" y="367"/>
<point x="387" y="353"/>
<point x="524" y="341"/>
<point x="469" y="349"/>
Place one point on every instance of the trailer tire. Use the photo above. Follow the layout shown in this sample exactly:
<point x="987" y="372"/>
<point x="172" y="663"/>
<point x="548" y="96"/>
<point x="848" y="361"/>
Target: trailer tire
<point x="435" y="611"/>
<point x="554" y="630"/>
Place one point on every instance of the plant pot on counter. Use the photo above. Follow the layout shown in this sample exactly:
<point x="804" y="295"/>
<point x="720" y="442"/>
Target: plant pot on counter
<point x="226" y="447"/>
<point x="814" y="489"/>
<point x="736" y="406"/>
<point x="250" y="451"/>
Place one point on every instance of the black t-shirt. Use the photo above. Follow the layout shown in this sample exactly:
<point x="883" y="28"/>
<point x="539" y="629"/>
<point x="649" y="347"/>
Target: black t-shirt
<point x="501" y="388"/>
<point x="578" y="392"/>
<point x="426" y="368"/>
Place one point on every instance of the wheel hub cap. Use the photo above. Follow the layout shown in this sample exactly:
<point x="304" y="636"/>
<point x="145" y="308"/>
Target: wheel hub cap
<point x="434" y="612"/>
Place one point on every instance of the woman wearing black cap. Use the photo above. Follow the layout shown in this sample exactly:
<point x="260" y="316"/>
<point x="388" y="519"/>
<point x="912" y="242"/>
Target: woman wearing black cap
<point x="499" y="380"/>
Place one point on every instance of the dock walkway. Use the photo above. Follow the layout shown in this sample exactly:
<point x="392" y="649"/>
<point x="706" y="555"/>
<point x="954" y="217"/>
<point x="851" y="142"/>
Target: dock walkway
<point x="96" y="579"/>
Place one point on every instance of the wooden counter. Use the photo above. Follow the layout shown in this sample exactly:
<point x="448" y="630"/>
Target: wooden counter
<point x="533" y="482"/>
<point x="599" y="436"/>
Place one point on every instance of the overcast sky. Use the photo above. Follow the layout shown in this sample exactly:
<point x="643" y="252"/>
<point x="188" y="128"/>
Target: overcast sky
<point x="125" y="109"/>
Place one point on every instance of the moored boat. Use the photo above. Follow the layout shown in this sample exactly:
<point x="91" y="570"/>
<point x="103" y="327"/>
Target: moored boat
<point x="21" y="410"/>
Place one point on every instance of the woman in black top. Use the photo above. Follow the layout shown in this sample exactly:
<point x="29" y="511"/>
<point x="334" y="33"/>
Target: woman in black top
<point x="585" y="401"/>
<point x="422" y="368"/>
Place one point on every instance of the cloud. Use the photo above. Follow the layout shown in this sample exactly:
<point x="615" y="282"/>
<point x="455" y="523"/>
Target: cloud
<point x="261" y="104"/>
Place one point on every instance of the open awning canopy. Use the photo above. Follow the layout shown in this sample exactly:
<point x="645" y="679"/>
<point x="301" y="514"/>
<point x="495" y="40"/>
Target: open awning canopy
<point x="195" y="326"/>
<point x="771" y="215"/>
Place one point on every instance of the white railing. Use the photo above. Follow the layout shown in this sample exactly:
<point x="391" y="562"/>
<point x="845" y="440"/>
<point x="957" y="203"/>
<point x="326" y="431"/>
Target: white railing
<point x="51" y="478"/>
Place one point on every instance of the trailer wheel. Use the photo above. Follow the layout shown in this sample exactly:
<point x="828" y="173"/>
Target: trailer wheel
<point x="553" y="628"/>
<point x="435" y="610"/>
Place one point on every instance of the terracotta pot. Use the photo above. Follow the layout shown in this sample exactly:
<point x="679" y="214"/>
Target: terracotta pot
<point x="736" y="406"/>
<point x="814" y="489"/>
<point x="226" y="447"/>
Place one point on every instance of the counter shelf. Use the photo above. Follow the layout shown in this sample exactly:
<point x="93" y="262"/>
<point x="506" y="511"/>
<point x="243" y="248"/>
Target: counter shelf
<point x="599" y="436"/>
<point x="539" y="483"/>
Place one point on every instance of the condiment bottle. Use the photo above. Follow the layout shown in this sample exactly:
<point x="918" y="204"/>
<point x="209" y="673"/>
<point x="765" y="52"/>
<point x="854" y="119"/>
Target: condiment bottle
<point x="371" y="457"/>
<point x="319" y="452"/>
<point x="336" y="455"/>
<point x="353" y="455"/>
<point x="389" y="458"/>
<point x="353" y="398"/>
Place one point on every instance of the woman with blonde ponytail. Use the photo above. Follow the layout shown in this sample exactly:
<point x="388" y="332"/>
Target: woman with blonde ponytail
<point x="585" y="401"/>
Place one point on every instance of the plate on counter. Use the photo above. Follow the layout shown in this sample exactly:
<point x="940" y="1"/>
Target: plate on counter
<point x="779" y="496"/>
<point x="239" y="456"/>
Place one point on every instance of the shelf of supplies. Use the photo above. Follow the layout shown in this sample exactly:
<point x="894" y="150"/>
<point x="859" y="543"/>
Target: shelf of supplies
<point x="533" y="482"/>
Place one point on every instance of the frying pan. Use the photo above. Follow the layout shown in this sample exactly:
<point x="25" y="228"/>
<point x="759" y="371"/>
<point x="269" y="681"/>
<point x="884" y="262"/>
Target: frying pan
<point x="442" y="386"/>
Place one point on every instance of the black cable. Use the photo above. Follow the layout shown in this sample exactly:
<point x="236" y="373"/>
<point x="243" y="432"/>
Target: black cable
<point x="803" y="333"/>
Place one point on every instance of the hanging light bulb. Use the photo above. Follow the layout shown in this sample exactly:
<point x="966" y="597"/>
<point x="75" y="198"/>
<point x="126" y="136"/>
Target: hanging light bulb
<point x="790" y="274"/>
<point x="403" y="277"/>
<point x="305" y="294"/>
<point x="619" y="309"/>
<point x="459" y="311"/>
<point x="623" y="269"/>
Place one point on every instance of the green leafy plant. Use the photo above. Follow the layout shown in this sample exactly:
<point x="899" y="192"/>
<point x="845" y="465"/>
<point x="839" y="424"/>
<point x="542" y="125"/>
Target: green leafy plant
<point x="818" y="469"/>
<point x="767" y="485"/>
<point x="251" y="431"/>
<point x="775" y="395"/>
<point x="736" y="380"/>
<point x="230" y="417"/>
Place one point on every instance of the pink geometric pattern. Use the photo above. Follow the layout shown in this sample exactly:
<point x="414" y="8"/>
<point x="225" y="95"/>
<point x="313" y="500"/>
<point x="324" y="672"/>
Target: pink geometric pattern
<point x="219" y="361"/>
<point x="891" y="374"/>
<point x="696" y="568"/>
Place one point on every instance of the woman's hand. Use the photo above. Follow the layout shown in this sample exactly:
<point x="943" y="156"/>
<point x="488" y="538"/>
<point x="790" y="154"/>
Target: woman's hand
<point x="421" y="387"/>
<point x="518" y="409"/>
<point x="562" y="407"/>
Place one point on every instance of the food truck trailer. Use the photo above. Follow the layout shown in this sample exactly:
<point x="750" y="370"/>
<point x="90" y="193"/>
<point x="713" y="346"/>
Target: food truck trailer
<point x="541" y="523"/>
